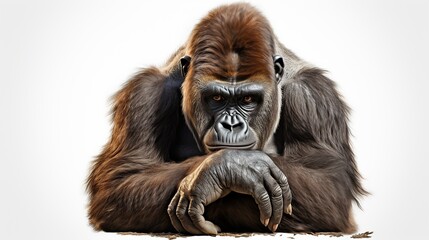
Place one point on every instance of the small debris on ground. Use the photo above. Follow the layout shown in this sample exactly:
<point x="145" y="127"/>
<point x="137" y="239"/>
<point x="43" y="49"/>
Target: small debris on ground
<point x="331" y="234"/>
<point x="362" y="235"/>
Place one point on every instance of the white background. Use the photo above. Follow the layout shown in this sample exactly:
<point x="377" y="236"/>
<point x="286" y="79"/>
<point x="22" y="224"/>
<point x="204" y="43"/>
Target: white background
<point x="60" y="61"/>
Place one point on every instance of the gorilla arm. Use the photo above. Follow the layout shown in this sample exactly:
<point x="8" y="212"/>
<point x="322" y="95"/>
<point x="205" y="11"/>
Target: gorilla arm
<point x="130" y="184"/>
<point x="134" y="195"/>
<point x="317" y="157"/>
<point x="320" y="200"/>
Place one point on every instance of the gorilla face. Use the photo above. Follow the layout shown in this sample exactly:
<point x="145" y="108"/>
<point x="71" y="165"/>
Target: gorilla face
<point x="231" y="114"/>
<point x="231" y="106"/>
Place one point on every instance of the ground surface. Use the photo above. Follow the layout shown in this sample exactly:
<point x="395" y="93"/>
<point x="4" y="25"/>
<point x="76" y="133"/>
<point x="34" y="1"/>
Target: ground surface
<point x="328" y="235"/>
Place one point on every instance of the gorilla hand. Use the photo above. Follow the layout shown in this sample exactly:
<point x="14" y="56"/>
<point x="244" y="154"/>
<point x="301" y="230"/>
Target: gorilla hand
<point x="246" y="172"/>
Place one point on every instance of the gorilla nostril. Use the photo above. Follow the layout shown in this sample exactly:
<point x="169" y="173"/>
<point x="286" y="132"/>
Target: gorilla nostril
<point x="231" y="127"/>
<point x="227" y="126"/>
<point x="237" y="126"/>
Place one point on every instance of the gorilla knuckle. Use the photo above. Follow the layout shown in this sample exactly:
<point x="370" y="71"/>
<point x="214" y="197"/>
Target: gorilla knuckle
<point x="171" y="210"/>
<point x="259" y="190"/>
<point x="193" y="213"/>
<point x="283" y="180"/>
<point x="180" y="211"/>
<point x="277" y="192"/>
<point x="264" y="198"/>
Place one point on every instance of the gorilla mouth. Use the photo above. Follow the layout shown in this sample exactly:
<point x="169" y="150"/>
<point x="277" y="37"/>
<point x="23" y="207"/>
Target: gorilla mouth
<point x="219" y="146"/>
<point x="218" y="139"/>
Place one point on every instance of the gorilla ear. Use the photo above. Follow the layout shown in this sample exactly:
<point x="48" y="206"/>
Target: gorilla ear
<point x="278" y="67"/>
<point x="184" y="65"/>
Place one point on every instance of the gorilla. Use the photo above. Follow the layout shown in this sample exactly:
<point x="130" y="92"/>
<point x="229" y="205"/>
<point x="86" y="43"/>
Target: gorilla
<point x="234" y="133"/>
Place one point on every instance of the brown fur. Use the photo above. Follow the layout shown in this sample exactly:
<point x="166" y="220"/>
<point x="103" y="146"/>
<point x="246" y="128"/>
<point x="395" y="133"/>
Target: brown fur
<point x="134" y="178"/>
<point x="232" y="29"/>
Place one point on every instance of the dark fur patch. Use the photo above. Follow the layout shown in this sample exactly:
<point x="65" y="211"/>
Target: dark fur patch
<point x="170" y="122"/>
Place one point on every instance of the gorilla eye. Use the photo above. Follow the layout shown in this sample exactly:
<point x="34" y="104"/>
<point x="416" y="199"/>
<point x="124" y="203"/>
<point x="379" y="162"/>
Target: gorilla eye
<point x="217" y="98"/>
<point x="247" y="99"/>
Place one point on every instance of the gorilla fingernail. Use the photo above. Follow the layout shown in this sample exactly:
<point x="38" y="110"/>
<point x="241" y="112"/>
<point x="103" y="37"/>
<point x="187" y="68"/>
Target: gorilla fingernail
<point x="266" y="222"/>
<point x="275" y="227"/>
<point x="289" y="209"/>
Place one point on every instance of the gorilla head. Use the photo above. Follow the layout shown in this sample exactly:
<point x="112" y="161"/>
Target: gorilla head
<point x="230" y="93"/>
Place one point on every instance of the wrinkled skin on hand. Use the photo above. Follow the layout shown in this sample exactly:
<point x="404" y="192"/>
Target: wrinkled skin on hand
<point x="246" y="172"/>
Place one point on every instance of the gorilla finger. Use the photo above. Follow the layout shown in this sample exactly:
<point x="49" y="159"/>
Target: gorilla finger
<point x="284" y="185"/>
<point x="172" y="213"/>
<point x="182" y="215"/>
<point x="264" y="204"/>
<point x="276" y="196"/>
<point x="196" y="211"/>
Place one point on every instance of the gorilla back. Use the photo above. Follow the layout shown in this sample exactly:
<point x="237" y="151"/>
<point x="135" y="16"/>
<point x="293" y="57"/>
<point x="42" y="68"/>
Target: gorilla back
<point x="231" y="134"/>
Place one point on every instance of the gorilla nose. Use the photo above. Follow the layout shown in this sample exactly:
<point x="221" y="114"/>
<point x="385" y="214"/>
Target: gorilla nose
<point x="233" y="127"/>
<point x="230" y="131"/>
<point x="231" y="122"/>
